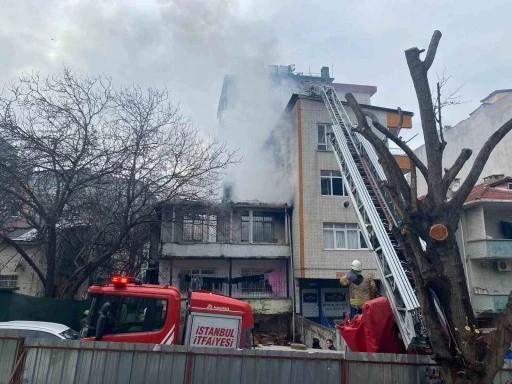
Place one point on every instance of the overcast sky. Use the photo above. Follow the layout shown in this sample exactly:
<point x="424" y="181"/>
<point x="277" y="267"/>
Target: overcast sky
<point x="188" y="45"/>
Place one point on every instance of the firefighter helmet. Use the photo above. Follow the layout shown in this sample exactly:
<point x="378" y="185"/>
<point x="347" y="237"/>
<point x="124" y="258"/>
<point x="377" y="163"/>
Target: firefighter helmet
<point x="356" y="266"/>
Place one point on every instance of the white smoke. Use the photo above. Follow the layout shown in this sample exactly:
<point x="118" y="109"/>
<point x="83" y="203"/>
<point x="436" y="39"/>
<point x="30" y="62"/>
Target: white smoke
<point x="254" y="123"/>
<point x="185" y="45"/>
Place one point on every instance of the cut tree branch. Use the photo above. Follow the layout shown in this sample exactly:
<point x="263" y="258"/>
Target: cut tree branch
<point x="432" y="49"/>
<point x="419" y="74"/>
<point x="408" y="151"/>
<point x="501" y="338"/>
<point x="480" y="161"/>
<point x="452" y="173"/>
<point x="414" y="189"/>
<point x="390" y="166"/>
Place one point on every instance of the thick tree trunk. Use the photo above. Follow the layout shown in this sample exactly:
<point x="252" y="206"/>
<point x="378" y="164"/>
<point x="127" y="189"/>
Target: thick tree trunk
<point x="51" y="255"/>
<point x="460" y="354"/>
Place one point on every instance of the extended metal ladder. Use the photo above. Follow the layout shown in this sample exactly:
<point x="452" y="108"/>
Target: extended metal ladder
<point x="363" y="175"/>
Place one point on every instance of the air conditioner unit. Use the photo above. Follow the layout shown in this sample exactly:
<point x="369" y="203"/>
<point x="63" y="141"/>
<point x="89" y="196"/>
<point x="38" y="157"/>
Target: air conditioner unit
<point x="504" y="266"/>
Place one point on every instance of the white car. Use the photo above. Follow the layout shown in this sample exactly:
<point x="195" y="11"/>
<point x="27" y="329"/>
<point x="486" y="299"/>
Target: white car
<point x="40" y="329"/>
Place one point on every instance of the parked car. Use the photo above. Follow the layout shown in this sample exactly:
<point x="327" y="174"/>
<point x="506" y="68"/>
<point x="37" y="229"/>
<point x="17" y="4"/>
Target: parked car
<point x="41" y="329"/>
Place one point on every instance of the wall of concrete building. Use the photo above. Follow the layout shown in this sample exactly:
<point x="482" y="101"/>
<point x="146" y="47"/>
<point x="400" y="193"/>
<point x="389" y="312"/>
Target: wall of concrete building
<point x="12" y="264"/>
<point x="492" y="218"/>
<point x="485" y="283"/>
<point x="472" y="133"/>
<point x="484" y="275"/>
<point x="318" y="209"/>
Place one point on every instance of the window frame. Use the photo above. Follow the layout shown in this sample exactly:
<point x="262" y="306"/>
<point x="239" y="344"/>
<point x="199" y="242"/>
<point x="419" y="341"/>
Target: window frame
<point x="265" y="224"/>
<point x="331" y="177"/>
<point x="245" y="228"/>
<point x="509" y="186"/>
<point x="145" y="305"/>
<point x="203" y="272"/>
<point x="335" y="230"/>
<point x="326" y="143"/>
<point x="199" y="224"/>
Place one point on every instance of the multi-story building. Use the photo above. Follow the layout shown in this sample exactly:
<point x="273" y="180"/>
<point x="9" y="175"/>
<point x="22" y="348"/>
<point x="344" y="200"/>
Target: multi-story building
<point x="485" y="240"/>
<point x="325" y="235"/>
<point x="238" y="249"/>
<point x="325" y="231"/>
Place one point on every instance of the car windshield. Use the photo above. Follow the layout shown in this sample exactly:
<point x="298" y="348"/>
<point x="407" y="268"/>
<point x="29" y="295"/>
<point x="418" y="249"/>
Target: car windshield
<point x="70" y="334"/>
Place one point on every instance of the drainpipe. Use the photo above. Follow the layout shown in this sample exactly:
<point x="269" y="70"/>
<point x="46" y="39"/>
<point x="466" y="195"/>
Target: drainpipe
<point x="290" y="242"/>
<point x="465" y="260"/>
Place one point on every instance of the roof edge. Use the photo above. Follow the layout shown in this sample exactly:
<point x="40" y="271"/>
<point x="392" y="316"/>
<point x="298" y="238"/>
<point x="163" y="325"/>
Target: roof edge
<point x="296" y="96"/>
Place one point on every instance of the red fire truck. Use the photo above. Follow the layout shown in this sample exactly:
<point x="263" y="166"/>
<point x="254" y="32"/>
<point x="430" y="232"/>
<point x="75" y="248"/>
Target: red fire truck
<point x="128" y="311"/>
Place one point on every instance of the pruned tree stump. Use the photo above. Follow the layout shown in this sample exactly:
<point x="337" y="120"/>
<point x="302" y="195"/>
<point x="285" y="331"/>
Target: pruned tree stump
<point x="438" y="232"/>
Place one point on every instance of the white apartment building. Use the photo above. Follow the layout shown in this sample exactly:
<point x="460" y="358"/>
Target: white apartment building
<point x="326" y="236"/>
<point x="493" y="112"/>
<point x="485" y="240"/>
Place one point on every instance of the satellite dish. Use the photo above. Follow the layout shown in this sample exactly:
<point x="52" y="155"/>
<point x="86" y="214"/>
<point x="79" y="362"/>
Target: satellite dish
<point x="455" y="186"/>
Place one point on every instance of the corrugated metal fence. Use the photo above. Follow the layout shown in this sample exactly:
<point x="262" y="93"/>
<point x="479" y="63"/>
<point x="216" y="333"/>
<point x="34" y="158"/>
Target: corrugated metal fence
<point x="75" y="362"/>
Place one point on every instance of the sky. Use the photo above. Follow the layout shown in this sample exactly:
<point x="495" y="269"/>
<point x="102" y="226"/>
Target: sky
<point x="188" y="46"/>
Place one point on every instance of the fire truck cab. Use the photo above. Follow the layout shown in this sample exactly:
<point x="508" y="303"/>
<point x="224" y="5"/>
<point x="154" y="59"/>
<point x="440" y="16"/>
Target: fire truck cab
<point x="128" y="311"/>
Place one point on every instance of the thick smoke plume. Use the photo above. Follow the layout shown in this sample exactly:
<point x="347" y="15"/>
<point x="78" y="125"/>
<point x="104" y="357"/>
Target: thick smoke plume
<point x="185" y="45"/>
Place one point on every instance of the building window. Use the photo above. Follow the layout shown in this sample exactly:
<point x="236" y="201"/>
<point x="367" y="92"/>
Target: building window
<point x="331" y="184"/>
<point x="509" y="186"/>
<point x="262" y="229"/>
<point x="343" y="236"/>
<point x="200" y="228"/>
<point x="223" y="228"/>
<point x="324" y="144"/>
<point x="8" y="281"/>
<point x="245" y="229"/>
<point x="185" y="285"/>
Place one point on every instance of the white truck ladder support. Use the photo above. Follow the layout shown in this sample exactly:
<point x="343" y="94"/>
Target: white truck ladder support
<point x="362" y="175"/>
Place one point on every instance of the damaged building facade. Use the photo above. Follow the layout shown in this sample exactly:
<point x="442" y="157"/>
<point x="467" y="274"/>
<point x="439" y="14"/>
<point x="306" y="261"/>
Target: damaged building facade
<point x="240" y="250"/>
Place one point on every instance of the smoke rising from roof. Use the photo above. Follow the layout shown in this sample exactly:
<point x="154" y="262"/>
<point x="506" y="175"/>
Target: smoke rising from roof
<point x="185" y="45"/>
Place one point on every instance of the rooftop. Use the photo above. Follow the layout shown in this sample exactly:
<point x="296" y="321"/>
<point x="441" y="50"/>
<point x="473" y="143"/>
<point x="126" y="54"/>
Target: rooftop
<point x="286" y="74"/>
<point x="232" y="204"/>
<point x="494" y="93"/>
<point x="490" y="192"/>
<point x="296" y="96"/>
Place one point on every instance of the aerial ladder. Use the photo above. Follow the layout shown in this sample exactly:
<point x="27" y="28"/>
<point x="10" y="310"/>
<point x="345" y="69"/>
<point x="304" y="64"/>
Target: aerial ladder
<point x="363" y="176"/>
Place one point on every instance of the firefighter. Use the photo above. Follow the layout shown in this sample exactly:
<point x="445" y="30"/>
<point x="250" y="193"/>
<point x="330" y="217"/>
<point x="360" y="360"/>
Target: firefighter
<point x="362" y="288"/>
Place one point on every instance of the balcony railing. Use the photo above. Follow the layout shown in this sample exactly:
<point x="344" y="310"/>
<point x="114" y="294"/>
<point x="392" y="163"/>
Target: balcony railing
<point x="257" y="290"/>
<point x="501" y="248"/>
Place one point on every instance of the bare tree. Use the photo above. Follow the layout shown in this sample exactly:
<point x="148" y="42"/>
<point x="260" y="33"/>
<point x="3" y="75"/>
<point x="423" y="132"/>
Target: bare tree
<point x="462" y="354"/>
<point x="89" y="165"/>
